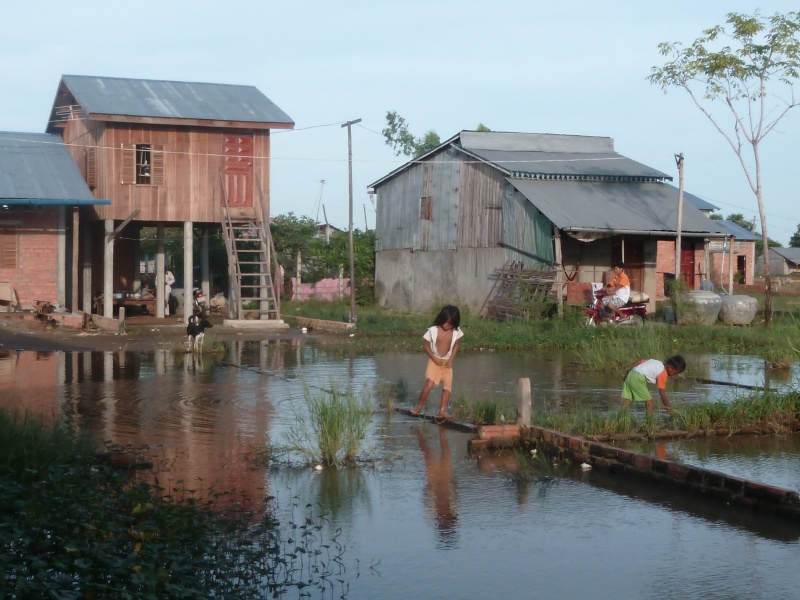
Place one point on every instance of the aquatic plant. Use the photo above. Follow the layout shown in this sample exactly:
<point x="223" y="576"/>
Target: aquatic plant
<point x="490" y="411"/>
<point x="76" y="528"/>
<point x="388" y="394"/>
<point x="762" y="412"/>
<point x="335" y="427"/>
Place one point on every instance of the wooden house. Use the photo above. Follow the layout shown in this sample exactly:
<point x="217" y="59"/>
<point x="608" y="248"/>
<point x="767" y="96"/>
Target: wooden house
<point x="782" y="261"/>
<point x="171" y="154"/>
<point x="452" y="223"/>
<point x="41" y="195"/>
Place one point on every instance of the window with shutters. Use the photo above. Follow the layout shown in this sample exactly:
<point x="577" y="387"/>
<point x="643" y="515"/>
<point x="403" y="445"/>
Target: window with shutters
<point x="9" y="249"/>
<point x="426" y="208"/>
<point x="91" y="167"/>
<point x="143" y="164"/>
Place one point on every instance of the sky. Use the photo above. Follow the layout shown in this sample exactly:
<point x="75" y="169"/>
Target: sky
<point x="577" y="68"/>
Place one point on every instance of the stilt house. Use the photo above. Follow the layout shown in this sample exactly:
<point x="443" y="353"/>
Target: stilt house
<point x="170" y="154"/>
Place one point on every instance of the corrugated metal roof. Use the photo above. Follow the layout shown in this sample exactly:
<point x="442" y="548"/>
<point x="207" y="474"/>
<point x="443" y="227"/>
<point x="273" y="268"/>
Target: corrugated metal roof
<point x="790" y="254"/>
<point x="173" y="99"/>
<point x="544" y="154"/>
<point x="36" y="168"/>
<point x="620" y="207"/>
<point x="590" y="164"/>
<point x="740" y="233"/>
<point x="697" y="201"/>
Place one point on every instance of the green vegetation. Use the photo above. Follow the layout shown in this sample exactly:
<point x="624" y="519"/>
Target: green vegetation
<point x="763" y="412"/>
<point x="74" y="527"/>
<point x="484" y="412"/>
<point x="335" y="428"/>
<point x="323" y="258"/>
<point x="604" y="348"/>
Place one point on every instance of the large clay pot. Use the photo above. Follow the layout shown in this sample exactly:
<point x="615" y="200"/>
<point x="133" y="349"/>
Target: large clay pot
<point x="699" y="308"/>
<point x="738" y="310"/>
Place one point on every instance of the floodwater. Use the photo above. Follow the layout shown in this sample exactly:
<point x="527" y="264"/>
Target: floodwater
<point x="427" y="520"/>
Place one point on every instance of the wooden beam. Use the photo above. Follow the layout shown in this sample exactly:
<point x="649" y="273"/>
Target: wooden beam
<point x="122" y="225"/>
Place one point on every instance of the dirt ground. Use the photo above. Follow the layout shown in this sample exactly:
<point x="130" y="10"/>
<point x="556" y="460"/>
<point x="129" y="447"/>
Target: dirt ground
<point x="142" y="334"/>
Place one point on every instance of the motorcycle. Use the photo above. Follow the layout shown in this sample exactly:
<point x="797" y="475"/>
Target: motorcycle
<point x="633" y="312"/>
<point x="199" y="300"/>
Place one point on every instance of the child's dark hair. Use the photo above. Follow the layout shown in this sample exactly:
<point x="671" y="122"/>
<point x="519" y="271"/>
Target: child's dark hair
<point x="619" y="264"/>
<point x="676" y="362"/>
<point x="448" y="313"/>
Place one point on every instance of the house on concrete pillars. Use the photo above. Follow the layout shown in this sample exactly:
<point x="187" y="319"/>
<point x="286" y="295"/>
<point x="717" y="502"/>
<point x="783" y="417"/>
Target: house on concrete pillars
<point x="171" y="154"/>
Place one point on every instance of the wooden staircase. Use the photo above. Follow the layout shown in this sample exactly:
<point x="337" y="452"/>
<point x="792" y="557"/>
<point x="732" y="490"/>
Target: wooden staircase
<point x="250" y="251"/>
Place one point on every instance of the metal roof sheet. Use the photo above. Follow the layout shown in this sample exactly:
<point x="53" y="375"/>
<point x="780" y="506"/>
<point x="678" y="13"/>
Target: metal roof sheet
<point x="37" y="168"/>
<point x="544" y="154"/>
<point x="173" y="99"/>
<point x="619" y="207"/>
<point x="698" y="202"/>
<point x="790" y="254"/>
<point x="590" y="164"/>
<point x="739" y="232"/>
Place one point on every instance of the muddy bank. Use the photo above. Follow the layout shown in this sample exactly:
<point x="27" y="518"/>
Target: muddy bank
<point x="142" y="334"/>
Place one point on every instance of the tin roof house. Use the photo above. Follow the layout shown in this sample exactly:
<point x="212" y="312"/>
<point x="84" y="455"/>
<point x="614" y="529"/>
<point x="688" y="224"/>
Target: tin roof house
<point x="451" y="223"/>
<point x="42" y="194"/>
<point x="171" y="154"/>
<point x="782" y="261"/>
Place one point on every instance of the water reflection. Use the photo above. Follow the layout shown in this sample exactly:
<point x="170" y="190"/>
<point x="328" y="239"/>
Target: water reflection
<point x="441" y="498"/>
<point x="453" y="517"/>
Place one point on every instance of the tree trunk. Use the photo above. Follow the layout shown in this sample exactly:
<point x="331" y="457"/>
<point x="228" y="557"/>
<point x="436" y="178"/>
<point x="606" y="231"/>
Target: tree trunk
<point x="765" y="241"/>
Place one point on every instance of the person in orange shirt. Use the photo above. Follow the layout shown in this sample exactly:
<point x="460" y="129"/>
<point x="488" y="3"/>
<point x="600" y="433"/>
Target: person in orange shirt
<point x="650" y="371"/>
<point x="618" y="292"/>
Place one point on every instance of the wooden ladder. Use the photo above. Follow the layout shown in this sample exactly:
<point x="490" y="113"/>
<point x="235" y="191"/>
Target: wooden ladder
<point x="249" y="246"/>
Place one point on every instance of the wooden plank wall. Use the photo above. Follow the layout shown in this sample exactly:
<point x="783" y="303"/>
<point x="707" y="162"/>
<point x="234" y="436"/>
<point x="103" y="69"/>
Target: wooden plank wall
<point x="193" y="159"/>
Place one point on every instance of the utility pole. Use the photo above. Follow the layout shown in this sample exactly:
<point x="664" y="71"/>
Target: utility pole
<point x="679" y="162"/>
<point x="349" y="126"/>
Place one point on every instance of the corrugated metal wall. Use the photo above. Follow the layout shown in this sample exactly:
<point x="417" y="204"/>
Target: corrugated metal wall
<point x="466" y="201"/>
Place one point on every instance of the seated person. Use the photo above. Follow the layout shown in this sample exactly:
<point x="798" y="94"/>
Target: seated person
<point x="618" y="292"/>
<point x="147" y="291"/>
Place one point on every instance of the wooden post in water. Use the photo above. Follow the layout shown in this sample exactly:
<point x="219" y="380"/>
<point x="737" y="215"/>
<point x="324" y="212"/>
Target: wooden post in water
<point x="122" y="319"/>
<point x="524" y="402"/>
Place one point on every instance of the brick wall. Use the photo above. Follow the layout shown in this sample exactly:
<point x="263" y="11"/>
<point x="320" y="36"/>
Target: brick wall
<point x="36" y="277"/>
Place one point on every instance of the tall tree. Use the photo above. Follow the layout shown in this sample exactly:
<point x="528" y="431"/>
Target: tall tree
<point x="795" y="241"/>
<point x="402" y="141"/>
<point x="739" y="219"/>
<point x="734" y="66"/>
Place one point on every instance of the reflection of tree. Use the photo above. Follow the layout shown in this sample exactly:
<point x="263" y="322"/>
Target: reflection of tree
<point x="440" y="492"/>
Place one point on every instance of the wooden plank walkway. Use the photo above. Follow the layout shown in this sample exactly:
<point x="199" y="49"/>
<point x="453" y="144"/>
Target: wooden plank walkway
<point x="449" y="423"/>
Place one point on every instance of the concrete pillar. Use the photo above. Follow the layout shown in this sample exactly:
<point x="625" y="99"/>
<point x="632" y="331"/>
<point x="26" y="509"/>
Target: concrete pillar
<point x="108" y="269"/>
<point x="88" y="293"/>
<point x="61" y="267"/>
<point x="76" y="220"/>
<point x="188" y="270"/>
<point x="161" y="292"/>
<point x="204" y="267"/>
<point x="524" y="402"/>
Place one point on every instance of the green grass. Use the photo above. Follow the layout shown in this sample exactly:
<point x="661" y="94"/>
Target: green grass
<point x="380" y="330"/>
<point x="335" y="428"/>
<point x="73" y="527"/>
<point x="763" y="412"/>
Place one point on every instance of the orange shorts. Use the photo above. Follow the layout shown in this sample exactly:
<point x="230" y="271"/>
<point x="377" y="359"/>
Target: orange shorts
<point x="438" y="374"/>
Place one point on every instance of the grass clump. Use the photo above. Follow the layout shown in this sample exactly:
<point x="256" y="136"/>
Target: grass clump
<point x="335" y="428"/>
<point x="764" y="412"/>
<point x="73" y="528"/>
<point x="483" y="412"/>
